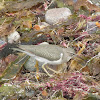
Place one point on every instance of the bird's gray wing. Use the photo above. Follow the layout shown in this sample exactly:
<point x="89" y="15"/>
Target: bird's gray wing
<point x="50" y="52"/>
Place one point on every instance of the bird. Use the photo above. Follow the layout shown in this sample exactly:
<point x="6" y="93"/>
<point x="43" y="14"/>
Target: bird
<point x="47" y="54"/>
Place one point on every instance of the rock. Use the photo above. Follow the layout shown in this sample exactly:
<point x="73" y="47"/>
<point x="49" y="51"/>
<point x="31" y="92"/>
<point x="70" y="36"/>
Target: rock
<point x="2" y="43"/>
<point x="97" y="13"/>
<point x="57" y="15"/>
<point x="91" y="27"/>
<point x="95" y="2"/>
<point x="14" y="37"/>
<point x="30" y="64"/>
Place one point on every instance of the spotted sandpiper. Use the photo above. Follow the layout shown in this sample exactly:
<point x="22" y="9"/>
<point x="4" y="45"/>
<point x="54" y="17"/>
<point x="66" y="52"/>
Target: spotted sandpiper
<point x="48" y="54"/>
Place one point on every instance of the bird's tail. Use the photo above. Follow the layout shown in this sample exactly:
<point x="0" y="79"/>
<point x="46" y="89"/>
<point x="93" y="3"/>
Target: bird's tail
<point x="8" y="49"/>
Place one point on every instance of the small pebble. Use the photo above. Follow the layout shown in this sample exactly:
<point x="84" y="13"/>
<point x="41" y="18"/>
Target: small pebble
<point x="14" y="37"/>
<point x="57" y="15"/>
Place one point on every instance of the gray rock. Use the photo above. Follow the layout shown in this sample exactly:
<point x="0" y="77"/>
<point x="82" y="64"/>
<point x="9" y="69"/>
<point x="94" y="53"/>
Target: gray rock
<point x="91" y="27"/>
<point x="97" y="13"/>
<point x="57" y="15"/>
<point x="30" y="64"/>
<point x="96" y="2"/>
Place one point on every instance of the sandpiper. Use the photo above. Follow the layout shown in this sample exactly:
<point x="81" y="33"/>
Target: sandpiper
<point x="48" y="54"/>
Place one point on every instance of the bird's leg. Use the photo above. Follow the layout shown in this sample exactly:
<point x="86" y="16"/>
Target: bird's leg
<point x="53" y="70"/>
<point x="73" y="63"/>
<point x="46" y="70"/>
<point x="81" y="50"/>
<point x="37" y="70"/>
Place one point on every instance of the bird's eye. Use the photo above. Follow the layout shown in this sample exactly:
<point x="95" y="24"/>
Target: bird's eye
<point x="72" y="54"/>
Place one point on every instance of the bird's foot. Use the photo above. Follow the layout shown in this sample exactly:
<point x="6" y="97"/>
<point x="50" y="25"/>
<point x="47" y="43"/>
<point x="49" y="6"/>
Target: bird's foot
<point x="57" y="72"/>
